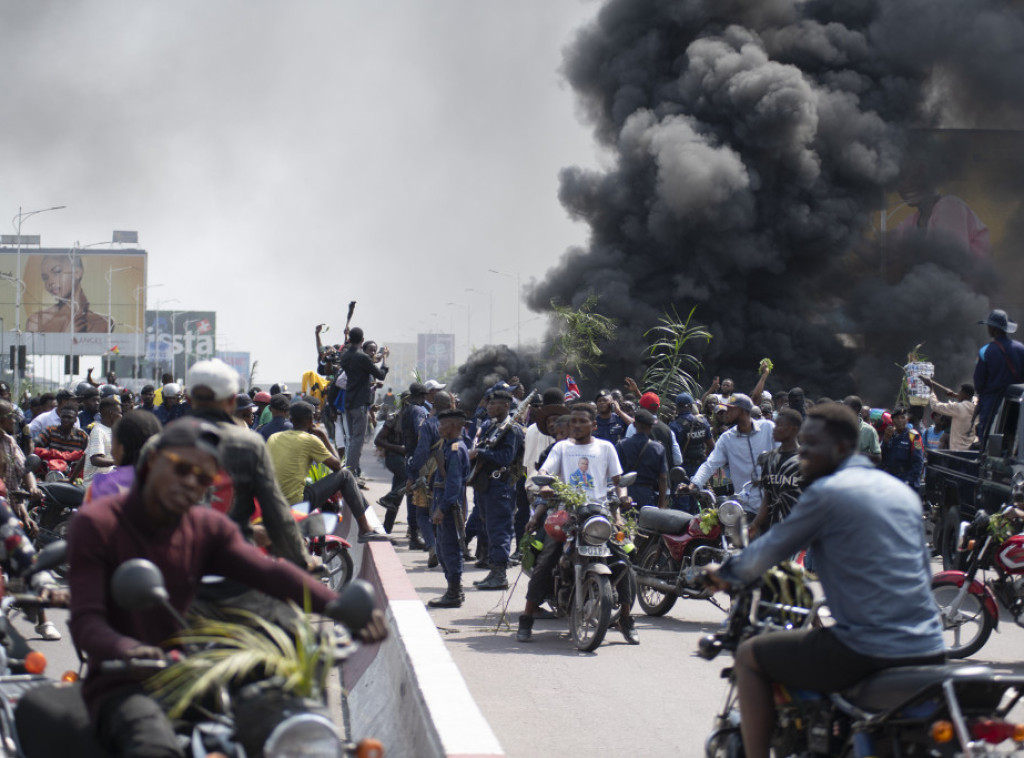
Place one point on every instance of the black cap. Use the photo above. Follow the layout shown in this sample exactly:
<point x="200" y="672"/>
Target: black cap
<point x="456" y="413"/>
<point x="243" y="402"/>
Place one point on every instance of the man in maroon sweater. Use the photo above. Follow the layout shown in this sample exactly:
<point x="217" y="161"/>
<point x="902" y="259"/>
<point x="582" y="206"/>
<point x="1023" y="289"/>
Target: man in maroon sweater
<point x="159" y="520"/>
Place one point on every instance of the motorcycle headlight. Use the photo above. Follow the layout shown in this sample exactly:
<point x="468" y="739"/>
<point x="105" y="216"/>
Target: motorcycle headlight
<point x="597" y="530"/>
<point x="307" y="735"/>
<point x="729" y="513"/>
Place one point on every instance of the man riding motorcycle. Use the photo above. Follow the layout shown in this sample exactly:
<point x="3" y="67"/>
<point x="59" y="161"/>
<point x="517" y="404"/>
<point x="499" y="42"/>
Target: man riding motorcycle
<point x="159" y="520"/>
<point x="864" y="528"/>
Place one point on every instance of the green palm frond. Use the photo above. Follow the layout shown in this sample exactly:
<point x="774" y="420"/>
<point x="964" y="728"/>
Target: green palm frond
<point x="232" y="651"/>
<point x="672" y="368"/>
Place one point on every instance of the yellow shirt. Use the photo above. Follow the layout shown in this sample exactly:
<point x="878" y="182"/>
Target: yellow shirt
<point x="292" y="452"/>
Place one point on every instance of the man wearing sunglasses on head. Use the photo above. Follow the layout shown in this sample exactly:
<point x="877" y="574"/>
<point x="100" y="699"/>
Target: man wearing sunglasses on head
<point x="160" y="519"/>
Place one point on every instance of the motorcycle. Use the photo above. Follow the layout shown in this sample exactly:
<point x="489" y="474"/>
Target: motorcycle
<point x="59" y="502"/>
<point x="317" y="528"/>
<point x="248" y="716"/>
<point x="936" y="711"/>
<point x="969" y="605"/>
<point x="592" y="578"/>
<point x="673" y="541"/>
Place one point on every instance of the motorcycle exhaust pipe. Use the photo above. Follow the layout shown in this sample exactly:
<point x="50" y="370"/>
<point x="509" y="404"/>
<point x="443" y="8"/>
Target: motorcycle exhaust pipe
<point x="657" y="584"/>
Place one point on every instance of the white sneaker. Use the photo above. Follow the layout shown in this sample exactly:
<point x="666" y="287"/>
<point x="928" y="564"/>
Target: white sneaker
<point x="48" y="631"/>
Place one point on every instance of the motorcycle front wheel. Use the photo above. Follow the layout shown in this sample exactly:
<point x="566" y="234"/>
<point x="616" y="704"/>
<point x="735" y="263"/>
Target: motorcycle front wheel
<point x="338" y="566"/>
<point x="969" y="629"/>
<point x="591" y="613"/>
<point x="655" y="560"/>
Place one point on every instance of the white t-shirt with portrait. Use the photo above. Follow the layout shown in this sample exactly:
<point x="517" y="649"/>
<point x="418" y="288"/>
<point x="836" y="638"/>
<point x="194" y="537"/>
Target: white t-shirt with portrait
<point x="588" y="467"/>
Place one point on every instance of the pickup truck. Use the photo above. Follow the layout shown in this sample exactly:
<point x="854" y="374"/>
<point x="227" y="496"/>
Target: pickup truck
<point x="958" y="483"/>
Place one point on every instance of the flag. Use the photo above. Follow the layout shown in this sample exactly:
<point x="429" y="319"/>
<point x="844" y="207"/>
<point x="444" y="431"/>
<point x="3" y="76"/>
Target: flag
<point x="115" y="350"/>
<point x="572" y="392"/>
<point x="203" y="326"/>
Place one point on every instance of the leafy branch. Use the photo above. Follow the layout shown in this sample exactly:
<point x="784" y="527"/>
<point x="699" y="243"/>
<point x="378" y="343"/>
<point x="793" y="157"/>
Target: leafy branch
<point x="673" y="369"/>
<point x="581" y="332"/>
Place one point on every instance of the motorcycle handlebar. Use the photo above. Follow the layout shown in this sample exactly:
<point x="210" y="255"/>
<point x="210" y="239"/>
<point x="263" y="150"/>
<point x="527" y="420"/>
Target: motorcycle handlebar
<point x="134" y="665"/>
<point x="354" y="605"/>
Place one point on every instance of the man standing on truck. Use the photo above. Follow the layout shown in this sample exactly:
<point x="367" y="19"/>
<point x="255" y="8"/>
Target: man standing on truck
<point x="1000" y="364"/>
<point x="960" y="409"/>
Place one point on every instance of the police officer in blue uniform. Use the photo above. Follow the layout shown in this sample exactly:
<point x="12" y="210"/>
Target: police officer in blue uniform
<point x="902" y="450"/>
<point x="447" y="507"/>
<point x="645" y="456"/>
<point x="693" y="434"/>
<point x="414" y="414"/>
<point x="495" y="469"/>
<point x="429" y="440"/>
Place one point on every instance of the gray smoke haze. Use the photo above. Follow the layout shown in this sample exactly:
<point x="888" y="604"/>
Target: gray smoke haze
<point x="750" y="144"/>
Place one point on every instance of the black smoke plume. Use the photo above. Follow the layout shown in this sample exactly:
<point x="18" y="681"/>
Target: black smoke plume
<point x="750" y="144"/>
<point x="489" y="365"/>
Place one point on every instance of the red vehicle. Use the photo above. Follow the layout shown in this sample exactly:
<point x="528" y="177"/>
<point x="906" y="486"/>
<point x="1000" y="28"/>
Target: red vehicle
<point x="673" y="541"/>
<point x="992" y="557"/>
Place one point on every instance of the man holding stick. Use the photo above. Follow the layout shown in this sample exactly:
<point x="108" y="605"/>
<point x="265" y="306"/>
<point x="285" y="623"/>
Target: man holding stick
<point x="360" y="369"/>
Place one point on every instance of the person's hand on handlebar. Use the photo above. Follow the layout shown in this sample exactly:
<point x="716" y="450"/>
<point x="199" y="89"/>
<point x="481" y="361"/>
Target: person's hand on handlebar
<point x="148" y="652"/>
<point x="376" y="630"/>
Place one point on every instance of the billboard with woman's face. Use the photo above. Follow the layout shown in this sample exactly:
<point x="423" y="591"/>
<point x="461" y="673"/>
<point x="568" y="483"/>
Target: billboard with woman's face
<point x="74" y="300"/>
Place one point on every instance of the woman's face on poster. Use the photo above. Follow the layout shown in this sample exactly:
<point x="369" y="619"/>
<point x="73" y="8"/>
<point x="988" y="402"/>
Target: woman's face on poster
<point x="59" y="275"/>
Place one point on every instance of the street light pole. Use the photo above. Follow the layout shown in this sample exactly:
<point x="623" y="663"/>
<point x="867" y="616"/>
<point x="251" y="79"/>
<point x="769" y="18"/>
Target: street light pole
<point x="19" y="286"/>
<point x="139" y="326"/>
<point x="518" y="303"/>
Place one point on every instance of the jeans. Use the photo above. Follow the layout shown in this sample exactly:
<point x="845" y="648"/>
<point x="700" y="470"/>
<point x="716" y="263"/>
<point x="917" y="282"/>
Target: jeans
<point x="355" y="421"/>
<point x="342" y="481"/>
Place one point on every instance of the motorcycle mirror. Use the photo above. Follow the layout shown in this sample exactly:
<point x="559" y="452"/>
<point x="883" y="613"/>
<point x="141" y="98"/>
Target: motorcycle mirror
<point x="138" y="585"/>
<point x="353" y="606"/>
<point x="330" y="522"/>
<point x="543" y="480"/>
<point x="302" y="508"/>
<point x="50" y="557"/>
<point x="627" y="480"/>
<point x="678" y="475"/>
<point x="32" y="462"/>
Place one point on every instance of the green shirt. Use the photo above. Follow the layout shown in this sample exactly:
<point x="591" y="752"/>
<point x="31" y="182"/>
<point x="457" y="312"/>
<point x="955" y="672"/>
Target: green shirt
<point x="868" y="440"/>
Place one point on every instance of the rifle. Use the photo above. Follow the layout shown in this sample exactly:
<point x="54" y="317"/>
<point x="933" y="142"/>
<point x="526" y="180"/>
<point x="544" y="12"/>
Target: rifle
<point x="524" y="408"/>
<point x="489" y="442"/>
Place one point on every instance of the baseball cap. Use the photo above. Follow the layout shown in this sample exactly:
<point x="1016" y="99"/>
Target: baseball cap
<point x="650" y="401"/>
<point x="741" y="401"/>
<point x="171" y="388"/>
<point x="433" y="384"/>
<point x="243" y="402"/>
<point x="216" y="376"/>
<point x="684" y="398"/>
<point x="262" y="397"/>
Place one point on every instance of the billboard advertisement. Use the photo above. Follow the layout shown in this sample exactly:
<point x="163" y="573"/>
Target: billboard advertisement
<point x="73" y="300"/>
<point x="435" y="354"/>
<point x="177" y="339"/>
<point x="239" y="361"/>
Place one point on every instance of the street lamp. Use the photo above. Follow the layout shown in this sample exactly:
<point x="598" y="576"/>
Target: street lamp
<point x="16" y="222"/>
<point x="468" y="322"/>
<point x="185" y="333"/>
<point x="139" y="326"/>
<point x="490" y="312"/>
<point x="517" y="296"/>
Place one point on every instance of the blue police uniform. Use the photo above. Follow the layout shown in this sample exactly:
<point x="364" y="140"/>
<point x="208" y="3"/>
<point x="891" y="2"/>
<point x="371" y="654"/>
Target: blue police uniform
<point x="429" y="436"/>
<point x="447" y="495"/>
<point x="611" y="429"/>
<point x="646" y="457"/>
<point x="903" y="457"/>
<point x="495" y="488"/>
<point x="691" y="433"/>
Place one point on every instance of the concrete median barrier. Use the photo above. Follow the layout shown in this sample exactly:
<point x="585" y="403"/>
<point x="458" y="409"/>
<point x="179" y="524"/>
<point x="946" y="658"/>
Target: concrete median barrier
<point x="407" y="691"/>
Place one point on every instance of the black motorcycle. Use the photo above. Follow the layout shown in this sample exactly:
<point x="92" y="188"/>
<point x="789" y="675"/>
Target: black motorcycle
<point x="593" y="577"/>
<point x="242" y="717"/>
<point x="935" y="711"/>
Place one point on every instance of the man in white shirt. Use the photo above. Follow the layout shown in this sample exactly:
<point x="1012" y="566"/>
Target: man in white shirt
<point x="960" y="409"/>
<point x="587" y="462"/>
<point x="99" y="455"/>
<point x="739" y="448"/>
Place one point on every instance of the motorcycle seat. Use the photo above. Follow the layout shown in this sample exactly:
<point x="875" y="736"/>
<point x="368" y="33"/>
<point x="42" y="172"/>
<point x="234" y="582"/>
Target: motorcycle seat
<point x="890" y="688"/>
<point x="50" y="704"/>
<point x="67" y="495"/>
<point x="664" y="521"/>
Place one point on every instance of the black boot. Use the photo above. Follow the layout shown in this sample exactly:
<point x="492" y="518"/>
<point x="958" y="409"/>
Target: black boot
<point x="415" y="541"/>
<point x="453" y="598"/>
<point x="432" y="558"/>
<point x="525" y="631"/>
<point x="496" y="580"/>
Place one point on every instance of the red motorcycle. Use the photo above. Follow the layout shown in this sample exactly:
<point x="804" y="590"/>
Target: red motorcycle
<point x="674" y="541"/>
<point x="970" y="605"/>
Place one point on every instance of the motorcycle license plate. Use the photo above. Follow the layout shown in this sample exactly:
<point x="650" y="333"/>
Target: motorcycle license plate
<point x="594" y="551"/>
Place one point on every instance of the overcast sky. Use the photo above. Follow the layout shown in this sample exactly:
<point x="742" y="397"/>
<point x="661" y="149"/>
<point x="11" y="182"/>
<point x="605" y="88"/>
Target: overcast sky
<point x="279" y="159"/>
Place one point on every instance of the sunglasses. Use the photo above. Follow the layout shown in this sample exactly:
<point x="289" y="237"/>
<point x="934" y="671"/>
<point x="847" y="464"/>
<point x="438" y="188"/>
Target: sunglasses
<point x="183" y="468"/>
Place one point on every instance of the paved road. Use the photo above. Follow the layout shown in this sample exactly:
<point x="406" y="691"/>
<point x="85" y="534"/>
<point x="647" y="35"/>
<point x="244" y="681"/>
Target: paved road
<point x="546" y="698"/>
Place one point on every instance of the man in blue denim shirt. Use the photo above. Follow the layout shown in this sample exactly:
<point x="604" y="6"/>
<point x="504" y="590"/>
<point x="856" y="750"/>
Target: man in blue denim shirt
<point x="864" y="527"/>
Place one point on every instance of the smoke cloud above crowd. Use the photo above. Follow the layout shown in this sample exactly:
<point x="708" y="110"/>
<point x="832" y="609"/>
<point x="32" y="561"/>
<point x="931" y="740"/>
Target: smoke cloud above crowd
<point x="750" y="147"/>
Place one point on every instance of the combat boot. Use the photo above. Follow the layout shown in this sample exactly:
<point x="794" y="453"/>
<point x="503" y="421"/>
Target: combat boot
<point x="432" y="558"/>
<point x="496" y="580"/>
<point x="453" y="598"/>
<point x="525" y="631"/>
<point x="415" y="541"/>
